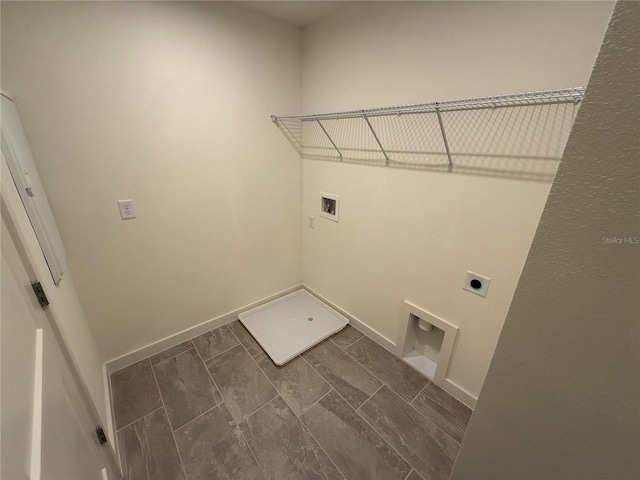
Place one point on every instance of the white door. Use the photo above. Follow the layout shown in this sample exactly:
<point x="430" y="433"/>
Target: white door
<point x="45" y="426"/>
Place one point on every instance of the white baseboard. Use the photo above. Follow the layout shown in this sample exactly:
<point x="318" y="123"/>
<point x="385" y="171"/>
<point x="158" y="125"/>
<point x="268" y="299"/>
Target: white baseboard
<point x="175" y="339"/>
<point x="111" y="424"/>
<point x="356" y="322"/>
<point x="459" y="393"/>
<point x="110" y="427"/>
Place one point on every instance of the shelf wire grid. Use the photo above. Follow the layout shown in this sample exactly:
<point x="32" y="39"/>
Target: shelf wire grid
<point x="491" y="134"/>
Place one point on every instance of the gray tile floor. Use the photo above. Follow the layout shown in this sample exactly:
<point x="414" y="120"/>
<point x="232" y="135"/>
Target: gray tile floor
<point x="217" y="407"/>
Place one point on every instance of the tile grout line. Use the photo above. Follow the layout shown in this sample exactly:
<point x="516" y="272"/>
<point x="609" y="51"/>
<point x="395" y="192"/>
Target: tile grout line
<point x="237" y="422"/>
<point x="172" y="356"/>
<point x="304" y="427"/>
<point x="409" y="474"/>
<point x="259" y="368"/>
<point x="116" y="429"/>
<point x="148" y="357"/>
<point x="411" y="403"/>
<point x="244" y="417"/>
<point x="139" y="418"/>
<point x="406" y="460"/>
<point x="444" y="405"/>
<point x="356" y="340"/>
<point x="236" y="425"/>
<point x="314" y="403"/>
<point x="378" y="378"/>
<point x="425" y="417"/>
<point x="204" y="364"/>
<point x="371" y="396"/>
<point x="331" y="389"/>
<point x="195" y="418"/>
<point x="175" y="443"/>
<point x="208" y="373"/>
<point x="240" y="341"/>
<point x="381" y="382"/>
<point x="251" y="451"/>
<point x="190" y="339"/>
<point x="378" y="433"/>
<point x="362" y="335"/>
<point x="322" y="377"/>
<point x="358" y="363"/>
<point x="431" y="421"/>
<point x="366" y="369"/>
<point x="218" y="354"/>
<point x="414" y="398"/>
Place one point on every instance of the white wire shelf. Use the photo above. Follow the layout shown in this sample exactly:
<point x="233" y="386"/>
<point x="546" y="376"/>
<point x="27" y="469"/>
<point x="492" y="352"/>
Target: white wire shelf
<point x="494" y="131"/>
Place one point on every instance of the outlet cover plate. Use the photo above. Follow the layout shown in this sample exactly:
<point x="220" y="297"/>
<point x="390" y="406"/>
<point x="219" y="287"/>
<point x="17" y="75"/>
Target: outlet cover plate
<point x="471" y="284"/>
<point x="126" y="209"/>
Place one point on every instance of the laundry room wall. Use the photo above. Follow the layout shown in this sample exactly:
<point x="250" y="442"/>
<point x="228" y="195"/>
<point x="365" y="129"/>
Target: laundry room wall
<point x="413" y="234"/>
<point x="168" y="104"/>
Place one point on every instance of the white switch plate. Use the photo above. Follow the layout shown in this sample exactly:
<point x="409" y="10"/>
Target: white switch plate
<point x="471" y="284"/>
<point x="311" y="223"/>
<point x="126" y="209"/>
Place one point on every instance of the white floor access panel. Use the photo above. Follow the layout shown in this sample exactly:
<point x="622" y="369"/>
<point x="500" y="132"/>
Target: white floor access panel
<point x="292" y="324"/>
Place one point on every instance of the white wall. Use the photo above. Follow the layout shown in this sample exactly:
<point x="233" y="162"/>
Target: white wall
<point x="167" y="104"/>
<point x="414" y="234"/>
<point x="562" y="393"/>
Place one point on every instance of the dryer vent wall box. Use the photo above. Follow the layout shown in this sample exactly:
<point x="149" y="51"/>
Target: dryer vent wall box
<point x="329" y="206"/>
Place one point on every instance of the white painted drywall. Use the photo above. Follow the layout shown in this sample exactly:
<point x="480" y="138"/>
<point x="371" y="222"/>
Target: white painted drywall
<point x="562" y="393"/>
<point x="167" y="104"/>
<point x="413" y="234"/>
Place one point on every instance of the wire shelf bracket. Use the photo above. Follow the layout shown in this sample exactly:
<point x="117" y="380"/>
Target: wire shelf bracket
<point x="412" y="130"/>
<point x="373" y="132"/>
<point x="330" y="139"/>
<point x="444" y="139"/>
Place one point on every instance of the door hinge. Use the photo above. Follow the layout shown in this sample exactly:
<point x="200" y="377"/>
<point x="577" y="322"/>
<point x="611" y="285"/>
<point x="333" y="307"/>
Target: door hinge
<point x="102" y="438"/>
<point x="40" y="295"/>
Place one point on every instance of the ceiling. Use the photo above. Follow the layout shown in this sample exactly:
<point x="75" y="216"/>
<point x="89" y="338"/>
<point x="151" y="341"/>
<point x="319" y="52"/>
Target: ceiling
<point x="300" y="12"/>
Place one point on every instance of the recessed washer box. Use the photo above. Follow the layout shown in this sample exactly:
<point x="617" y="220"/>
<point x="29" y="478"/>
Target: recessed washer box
<point x="329" y="206"/>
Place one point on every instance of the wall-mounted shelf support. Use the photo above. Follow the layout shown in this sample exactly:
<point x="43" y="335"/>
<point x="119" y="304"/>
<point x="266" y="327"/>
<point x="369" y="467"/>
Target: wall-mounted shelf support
<point x="286" y="131"/>
<point x="330" y="139"/>
<point x="444" y="138"/>
<point x="386" y="157"/>
<point x="532" y="125"/>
